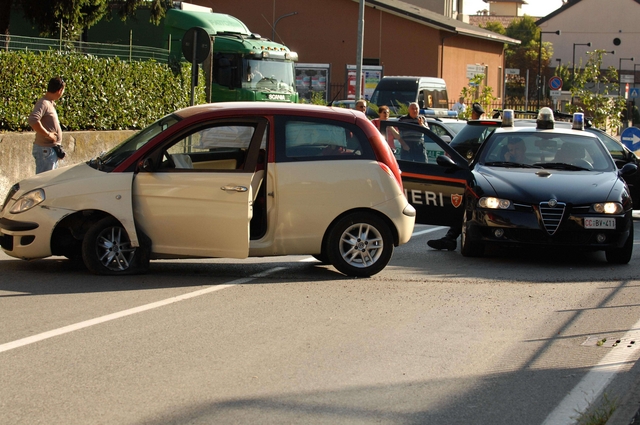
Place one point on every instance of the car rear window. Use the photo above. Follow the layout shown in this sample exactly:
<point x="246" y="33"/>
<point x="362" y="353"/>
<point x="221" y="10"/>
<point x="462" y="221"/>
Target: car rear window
<point x="319" y="139"/>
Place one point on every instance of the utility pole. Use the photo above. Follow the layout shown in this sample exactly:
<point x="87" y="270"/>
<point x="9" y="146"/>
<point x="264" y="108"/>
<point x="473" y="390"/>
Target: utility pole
<point x="359" y="53"/>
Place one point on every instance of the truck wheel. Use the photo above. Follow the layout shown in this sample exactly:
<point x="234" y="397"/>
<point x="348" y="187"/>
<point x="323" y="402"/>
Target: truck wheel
<point x="360" y="244"/>
<point x="621" y="255"/>
<point x="106" y="249"/>
<point x="468" y="248"/>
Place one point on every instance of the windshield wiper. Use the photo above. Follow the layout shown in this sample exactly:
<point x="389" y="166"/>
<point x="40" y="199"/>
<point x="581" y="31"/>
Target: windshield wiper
<point x="510" y="164"/>
<point x="561" y="166"/>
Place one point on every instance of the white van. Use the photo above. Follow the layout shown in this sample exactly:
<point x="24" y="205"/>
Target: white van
<point x="429" y="92"/>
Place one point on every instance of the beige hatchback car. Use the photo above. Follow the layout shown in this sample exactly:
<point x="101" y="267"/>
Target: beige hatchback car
<point x="232" y="180"/>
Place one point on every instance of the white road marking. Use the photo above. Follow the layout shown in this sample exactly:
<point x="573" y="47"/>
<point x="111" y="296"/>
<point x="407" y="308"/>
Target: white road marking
<point x="113" y="316"/>
<point x="595" y="381"/>
<point x="422" y="232"/>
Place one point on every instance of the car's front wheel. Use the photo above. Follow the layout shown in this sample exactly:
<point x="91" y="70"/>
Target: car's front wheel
<point x="622" y="255"/>
<point x="360" y="244"/>
<point x="468" y="247"/>
<point x="107" y="249"/>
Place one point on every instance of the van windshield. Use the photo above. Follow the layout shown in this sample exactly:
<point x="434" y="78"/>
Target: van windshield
<point x="395" y="94"/>
<point x="398" y="93"/>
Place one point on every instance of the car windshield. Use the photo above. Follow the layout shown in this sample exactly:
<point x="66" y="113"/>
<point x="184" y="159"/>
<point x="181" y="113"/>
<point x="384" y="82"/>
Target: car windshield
<point x="268" y="75"/>
<point x="111" y="159"/>
<point x="547" y="150"/>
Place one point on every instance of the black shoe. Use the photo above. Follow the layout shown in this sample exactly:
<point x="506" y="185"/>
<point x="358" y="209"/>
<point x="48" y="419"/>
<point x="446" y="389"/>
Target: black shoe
<point x="444" y="243"/>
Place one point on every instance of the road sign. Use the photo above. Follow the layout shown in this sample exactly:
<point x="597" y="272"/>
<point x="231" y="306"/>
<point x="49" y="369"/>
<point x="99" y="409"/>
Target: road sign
<point x="555" y="83"/>
<point x="634" y="92"/>
<point x="196" y="44"/>
<point x="626" y="78"/>
<point x="630" y="137"/>
<point x="473" y="70"/>
<point x="558" y="95"/>
<point x="512" y="71"/>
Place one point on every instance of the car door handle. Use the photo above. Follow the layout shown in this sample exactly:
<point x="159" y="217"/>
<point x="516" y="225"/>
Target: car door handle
<point x="234" y="188"/>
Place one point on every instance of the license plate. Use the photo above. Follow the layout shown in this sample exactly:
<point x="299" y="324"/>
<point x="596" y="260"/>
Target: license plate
<point x="599" y="223"/>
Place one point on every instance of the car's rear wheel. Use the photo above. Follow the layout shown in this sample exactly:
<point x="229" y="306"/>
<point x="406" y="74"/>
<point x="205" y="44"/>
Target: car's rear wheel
<point x="469" y="248"/>
<point x="622" y="255"/>
<point x="107" y="249"/>
<point x="360" y="244"/>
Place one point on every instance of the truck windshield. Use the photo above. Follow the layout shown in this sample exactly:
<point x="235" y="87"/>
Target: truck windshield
<point x="268" y="75"/>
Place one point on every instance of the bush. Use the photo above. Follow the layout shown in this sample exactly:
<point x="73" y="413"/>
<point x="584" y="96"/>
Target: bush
<point x="101" y="94"/>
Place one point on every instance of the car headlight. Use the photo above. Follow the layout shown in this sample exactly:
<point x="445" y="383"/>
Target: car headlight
<point x="494" y="203"/>
<point x="28" y="201"/>
<point x="608" y="207"/>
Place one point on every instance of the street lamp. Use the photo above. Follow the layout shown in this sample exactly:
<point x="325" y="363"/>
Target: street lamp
<point x="619" y="75"/>
<point x="273" y="33"/>
<point x="573" y="61"/>
<point x="540" y="63"/>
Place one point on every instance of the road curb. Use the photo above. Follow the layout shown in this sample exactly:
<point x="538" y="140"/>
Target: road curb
<point x="628" y="411"/>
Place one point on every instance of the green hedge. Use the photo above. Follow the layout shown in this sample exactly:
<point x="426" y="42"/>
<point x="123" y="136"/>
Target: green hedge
<point x="101" y="94"/>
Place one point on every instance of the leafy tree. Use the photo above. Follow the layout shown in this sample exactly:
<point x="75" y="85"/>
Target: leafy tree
<point x="495" y="26"/>
<point x="74" y="15"/>
<point x="564" y="72"/>
<point x="525" y="30"/>
<point x="524" y="56"/>
<point x="598" y="93"/>
<point x="474" y="93"/>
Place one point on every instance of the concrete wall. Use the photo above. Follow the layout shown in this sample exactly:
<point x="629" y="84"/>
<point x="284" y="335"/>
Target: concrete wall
<point x="17" y="163"/>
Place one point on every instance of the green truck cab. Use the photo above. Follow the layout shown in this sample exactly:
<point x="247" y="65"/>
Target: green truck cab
<point x="246" y="67"/>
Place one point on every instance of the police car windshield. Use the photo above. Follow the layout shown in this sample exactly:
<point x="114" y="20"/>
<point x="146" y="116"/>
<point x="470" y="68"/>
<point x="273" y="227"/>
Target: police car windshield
<point x="572" y="152"/>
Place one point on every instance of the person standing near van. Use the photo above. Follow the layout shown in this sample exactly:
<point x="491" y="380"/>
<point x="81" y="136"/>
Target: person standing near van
<point x="412" y="141"/>
<point x="459" y="106"/>
<point x="361" y="105"/>
<point x="44" y="121"/>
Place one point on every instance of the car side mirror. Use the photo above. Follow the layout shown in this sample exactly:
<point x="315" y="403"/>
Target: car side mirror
<point x="628" y="169"/>
<point x="446" y="138"/>
<point x="145" y="165"/>
<point x="445" y="161"/>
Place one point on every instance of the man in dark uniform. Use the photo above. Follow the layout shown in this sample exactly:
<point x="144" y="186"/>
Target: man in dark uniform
<point x="450" y="240"/>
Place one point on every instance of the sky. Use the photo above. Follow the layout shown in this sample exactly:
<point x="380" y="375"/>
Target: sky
<point x="536" y="8"/>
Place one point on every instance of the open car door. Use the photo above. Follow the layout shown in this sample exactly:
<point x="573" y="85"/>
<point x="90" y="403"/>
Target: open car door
<point x="435" y="191"/>
<point x="194" y="197"/>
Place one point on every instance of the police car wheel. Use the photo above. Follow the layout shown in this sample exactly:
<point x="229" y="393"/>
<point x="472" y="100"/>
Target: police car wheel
<point x="107" y="249"/>
<point x="469" y="248"/>
<point x="360" y="244"/>
<point x="622" y="255"/>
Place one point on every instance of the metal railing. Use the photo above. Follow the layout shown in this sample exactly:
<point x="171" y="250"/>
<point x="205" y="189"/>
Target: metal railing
<point x="124" y="52"/>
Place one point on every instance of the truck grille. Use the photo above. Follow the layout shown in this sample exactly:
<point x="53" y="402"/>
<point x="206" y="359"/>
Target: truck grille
<point x="552" y="216"/>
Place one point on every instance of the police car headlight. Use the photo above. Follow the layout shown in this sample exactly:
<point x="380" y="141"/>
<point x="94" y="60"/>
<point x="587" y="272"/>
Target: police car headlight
<point x="608" y="208"/>
<point x="494" y="203"/>
<point x="28" y="201"/>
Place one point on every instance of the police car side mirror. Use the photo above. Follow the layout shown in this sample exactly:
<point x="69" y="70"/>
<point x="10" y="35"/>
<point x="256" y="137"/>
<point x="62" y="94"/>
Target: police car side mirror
<point x="445" y="161"/>
<point x="628" y="169"/>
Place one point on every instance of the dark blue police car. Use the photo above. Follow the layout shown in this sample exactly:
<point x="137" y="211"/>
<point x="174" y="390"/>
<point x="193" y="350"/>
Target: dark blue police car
<point x="528" y="186"/>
